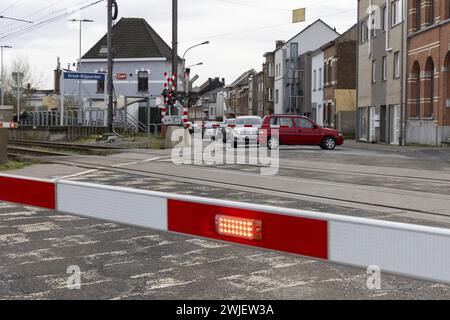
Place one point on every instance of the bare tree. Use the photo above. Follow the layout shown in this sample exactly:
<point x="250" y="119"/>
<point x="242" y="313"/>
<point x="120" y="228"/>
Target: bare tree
<point x="29" y="84"/>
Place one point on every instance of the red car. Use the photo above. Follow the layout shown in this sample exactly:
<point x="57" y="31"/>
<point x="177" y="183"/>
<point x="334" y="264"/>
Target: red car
<point x="297" y="130"/>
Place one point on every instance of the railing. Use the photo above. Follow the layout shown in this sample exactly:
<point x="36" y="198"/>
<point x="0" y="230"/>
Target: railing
<point x="125" y="121"/>
<point x="72" y="118"/>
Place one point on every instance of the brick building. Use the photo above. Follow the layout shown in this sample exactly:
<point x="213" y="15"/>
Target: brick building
<point x="269" y="78"/>
<point x="239" y="101"/>
<point x="339" y="85"/>
<point x="428" y="111"/>
<point x="258" y="94"/>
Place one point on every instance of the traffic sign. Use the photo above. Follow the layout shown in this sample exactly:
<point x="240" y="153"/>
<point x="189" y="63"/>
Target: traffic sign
<point x="84" y="76"/>
<point x="18" y="77"/>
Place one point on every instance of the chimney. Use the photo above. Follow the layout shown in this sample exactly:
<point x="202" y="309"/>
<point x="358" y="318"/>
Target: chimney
<point x="223" y="81"/>
<point x="279" y="44"/>
<point x="57" y="76"/>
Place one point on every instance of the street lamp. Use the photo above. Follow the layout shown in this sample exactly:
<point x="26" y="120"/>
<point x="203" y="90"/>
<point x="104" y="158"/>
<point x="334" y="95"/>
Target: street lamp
<point x="197" y="45"/>
<point x="194" y="65"/>
<point x="2" y="78"/>
<point x="80" y="21"/>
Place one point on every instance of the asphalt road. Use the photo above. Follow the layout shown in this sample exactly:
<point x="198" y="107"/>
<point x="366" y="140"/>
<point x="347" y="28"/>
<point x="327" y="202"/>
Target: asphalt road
<point x="122" y="262"/>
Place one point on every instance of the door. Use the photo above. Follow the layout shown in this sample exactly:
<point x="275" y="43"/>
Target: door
<point x="395" y="124"/>
<point x="287" y="130"/>
<point x="372" y="124"/>
<point x="307" y="133"/>
<point x="383" y="130"/>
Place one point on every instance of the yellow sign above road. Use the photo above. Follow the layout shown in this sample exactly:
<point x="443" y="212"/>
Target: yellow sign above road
<point x="299" y="15"/>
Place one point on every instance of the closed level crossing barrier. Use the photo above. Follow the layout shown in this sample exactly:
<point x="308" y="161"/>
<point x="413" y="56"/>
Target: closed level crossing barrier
<point x="409" y="250"/>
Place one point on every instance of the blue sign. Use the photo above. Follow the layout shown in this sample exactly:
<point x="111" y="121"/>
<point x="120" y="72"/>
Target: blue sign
<point x="84" y="76"/>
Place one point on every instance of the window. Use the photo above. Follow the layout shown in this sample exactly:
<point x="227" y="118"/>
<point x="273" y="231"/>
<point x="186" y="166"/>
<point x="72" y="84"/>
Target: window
<point x="270" y="94"/>
<point x="142" y="81"/>
<point x="277" y="96"/>
<point x="374" y="71"/>
<point x="418" y="9"/>
<point x="330" y="72"/>
<point x="431" y="17"/>
<point x="364" y="32"/>
<point x="304" y="123"/>
<point x="315" y="80"/>
<point x="101" y="85"/>
<point x="373" y="25"/>
<point x="396" y="12"/>
<point x="385" y="18"/>
<point x="285" y="122"/>
<point x="397" y="65"/>
<point x="320" y="79"/>
<point x="384" y="69"/>
<point x="270" y="69"/>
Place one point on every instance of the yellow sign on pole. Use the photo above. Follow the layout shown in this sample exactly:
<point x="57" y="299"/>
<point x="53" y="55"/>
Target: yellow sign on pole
<point x="299" y="15"/>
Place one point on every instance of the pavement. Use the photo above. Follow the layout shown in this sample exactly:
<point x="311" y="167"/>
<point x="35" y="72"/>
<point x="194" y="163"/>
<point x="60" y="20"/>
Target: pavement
<point x="123" y="262"/>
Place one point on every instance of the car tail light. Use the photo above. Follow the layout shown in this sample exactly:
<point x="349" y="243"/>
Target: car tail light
<point x="216" y="126"/>
<point x="248" y="126"/>
<point x="231" y="126"/>
<point x="249" y="229"/>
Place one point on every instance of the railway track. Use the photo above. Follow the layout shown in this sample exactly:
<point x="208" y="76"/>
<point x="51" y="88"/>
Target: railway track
<point x="46" y="148"/>
<point x="236" y="186"/>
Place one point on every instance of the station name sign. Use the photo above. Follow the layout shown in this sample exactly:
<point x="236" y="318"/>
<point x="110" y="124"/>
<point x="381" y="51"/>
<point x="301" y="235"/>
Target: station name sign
<point x="84" y="76"/>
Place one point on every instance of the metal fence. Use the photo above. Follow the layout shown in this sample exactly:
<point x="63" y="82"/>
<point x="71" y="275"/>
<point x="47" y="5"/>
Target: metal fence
<point x="75" y="117"/>
<point x="123" y="120"/>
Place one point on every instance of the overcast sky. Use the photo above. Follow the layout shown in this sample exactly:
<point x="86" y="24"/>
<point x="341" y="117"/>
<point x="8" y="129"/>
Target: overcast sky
<point x="240" y="31"/>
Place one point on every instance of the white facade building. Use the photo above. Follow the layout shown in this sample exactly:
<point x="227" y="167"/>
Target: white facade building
<point x="310" y="39"/>
<point x="317" y="86"/>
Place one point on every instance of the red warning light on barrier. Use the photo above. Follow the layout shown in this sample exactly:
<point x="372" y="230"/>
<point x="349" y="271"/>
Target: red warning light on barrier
<point x="238" y="227"/>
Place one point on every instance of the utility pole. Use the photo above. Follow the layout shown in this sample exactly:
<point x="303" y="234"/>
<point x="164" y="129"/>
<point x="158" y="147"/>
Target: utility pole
<point x="2" y="78"/>
<point x="80" y="21"/>
<point x="175" y="39"/>
<point x="110" y="66"/>
<point x="174" y="46"/>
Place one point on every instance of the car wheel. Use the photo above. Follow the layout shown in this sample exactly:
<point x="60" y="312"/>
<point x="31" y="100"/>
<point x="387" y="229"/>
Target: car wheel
<point x="328" y="143"/>
<point x="273" y="143"/>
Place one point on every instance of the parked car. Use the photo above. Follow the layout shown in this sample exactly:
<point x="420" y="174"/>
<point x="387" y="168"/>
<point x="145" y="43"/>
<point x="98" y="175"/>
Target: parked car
<point x="245" y="130"/>
<point x="193" y="126"/>
<point x="212" y="131"/>
<point x="297" y="130"/>
<point x="227" y="127"/>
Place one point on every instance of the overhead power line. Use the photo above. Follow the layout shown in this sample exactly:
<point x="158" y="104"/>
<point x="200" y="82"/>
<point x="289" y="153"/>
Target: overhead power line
<point x="11" y="6"/>
<point x="15" y="19"/>
<point x="48" y="21"/>
<point x="45" y="16"/>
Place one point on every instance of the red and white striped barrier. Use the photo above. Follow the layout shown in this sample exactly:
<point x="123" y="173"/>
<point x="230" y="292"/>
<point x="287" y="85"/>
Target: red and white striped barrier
<point x="404" y="249"/>
<point x="8" y="125"/>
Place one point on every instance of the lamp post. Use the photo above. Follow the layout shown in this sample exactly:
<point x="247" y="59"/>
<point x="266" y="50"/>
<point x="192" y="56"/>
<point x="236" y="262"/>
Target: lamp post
<point x="197" y="45"/>
<point x="80" y="21"/>
<point x="187" y="70"/>
<point x="194" y="65"/>
<point x="2" y="76"/>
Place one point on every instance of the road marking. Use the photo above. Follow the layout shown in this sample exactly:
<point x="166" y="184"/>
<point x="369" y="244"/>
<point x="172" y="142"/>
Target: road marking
<point x="124" y="164"/>
<point x="79" y="174"/>
<point x="155" y="159"/>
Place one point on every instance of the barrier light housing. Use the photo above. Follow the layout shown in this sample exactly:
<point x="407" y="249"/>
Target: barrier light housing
<point x="249" y="229"/>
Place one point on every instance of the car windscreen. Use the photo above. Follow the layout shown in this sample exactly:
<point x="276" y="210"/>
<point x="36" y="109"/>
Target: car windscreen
<point x="252" y="121"/>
